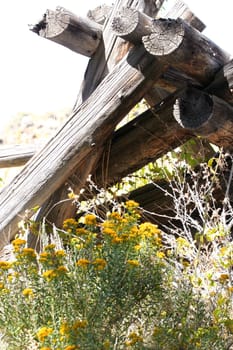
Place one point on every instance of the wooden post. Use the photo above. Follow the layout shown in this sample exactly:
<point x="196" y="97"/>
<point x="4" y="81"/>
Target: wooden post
<point x="79" y="34"/>
<point x="207" y="116"/>
<point x="16" y="155"/>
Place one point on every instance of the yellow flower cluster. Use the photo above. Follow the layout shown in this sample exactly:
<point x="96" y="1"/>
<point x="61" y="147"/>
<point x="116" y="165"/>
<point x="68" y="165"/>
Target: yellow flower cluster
<point x="90" y="219"/>
<point x="27" y="292"/>
<point x="43" y="333"/>
<point x="134" y="338"/>
<point x="5" y="265"/>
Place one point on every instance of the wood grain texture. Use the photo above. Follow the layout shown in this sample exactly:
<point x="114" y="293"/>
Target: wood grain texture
<point x="79" y="34"/>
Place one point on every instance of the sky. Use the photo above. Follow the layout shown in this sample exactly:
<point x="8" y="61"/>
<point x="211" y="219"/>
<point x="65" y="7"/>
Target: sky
<point x="39" y="76"/>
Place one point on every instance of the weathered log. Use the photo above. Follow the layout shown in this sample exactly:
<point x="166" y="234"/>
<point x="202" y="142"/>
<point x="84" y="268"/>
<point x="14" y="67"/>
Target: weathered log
<point x="181" y="10"/>
<point x="222" y="86"/>
<point x="99" y="14"/>
<point x="207" y="116"/>
<point x="131" y="24"/>
<point x="185" y="49"/>
<point x="16" y="155"/>
<point x="79" y="34"/>
<point x="81" y="137"/>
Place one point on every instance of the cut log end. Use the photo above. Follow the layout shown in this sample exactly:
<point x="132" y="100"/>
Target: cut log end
<point x="192" y="109"/>
<point x="166" y="37"/>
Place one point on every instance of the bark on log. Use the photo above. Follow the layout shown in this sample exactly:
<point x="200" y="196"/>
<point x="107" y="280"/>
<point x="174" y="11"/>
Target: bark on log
<point x="82" y="136"/>
<point x="78" y="34"/>
<point x="16" y="155"/>
<point x="207" y="116"/>
<point x="185" y="49"/>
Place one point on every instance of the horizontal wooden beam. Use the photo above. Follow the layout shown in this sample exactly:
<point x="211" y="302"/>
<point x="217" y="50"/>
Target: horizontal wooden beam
<point x="207" y="116"/>
<point x="17" y="155"/>
<point x="81" y="137"/>
<point x="79" y="34"/>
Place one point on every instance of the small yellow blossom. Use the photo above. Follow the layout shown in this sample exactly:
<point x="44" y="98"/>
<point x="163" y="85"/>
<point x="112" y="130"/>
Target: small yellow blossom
<point x="133" y="262"/>
<point x="51" y="246"/>
<point x="60" y="253"/>
<point x="29" y="252"/>
<point x="62" y="269"/>
<point x="133" y="339"/>
<point x="106" y="344"/>
<point x="224" y="277"/>
<point x="83" y="262"/>
<point x="27" y="292"/>
<point x="160" y="255"/>
<point x="80" y="324"/>
<point x="49" y="274"/>
<point x="5" y="265"/>
<point x="64" y="328"/>
<point x="137" y="247"/>
<point x="117" y="240"/>
<point x="44" y="256"/>
<point x="2" y="285"/>
<point x="115" y="216"/>
<point x="70" y="223"/>
<point x="149" y="230"/>
<point x="71" y="347"/>
<point x="45" y="348"/>
<point x="90" y="219"/>
<point x="109" y="232"/>
<point x="100" y="263"/>
<point x="43" y="333"/>
<point x="130" y="204"/>
<point x="18" y="242"/>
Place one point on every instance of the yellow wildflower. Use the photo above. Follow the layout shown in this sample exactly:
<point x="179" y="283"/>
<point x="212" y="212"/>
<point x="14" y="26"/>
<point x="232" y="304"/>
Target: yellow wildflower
<point x="90" y="219"/>
<point x="130" y="204"/>
<point x="115" y="216"/>
<point x="106" y="344"/>
<point x="60" y="253"/>
<point x="148" y="230"/>
<point x="69" y="223"/>
<point x="43" y="333"/>
<point x="18" y="242"/>
<point x="44" y="256"/>
<point x="83" y="262"/>
<point x="5" y="265"/>
<point x="71" y="347"/>
<point x="27" y="292"/>
<point x="29" y="252"/>
<point x="62" y="269"/>
<point x="50" y="246"/>
<point x="2" y="285"/>
<point x="117" y="240"/>
<point x="80" y="324"/>
<point x="49" y="274"/>
<point x="134" y="338"/>
<point x="133" y="262"/>
<point x="100" y="263"/>
<point x="160" y="255"/>
<point x="109" y="232"/>
<point x="224" y="277"/>
<point x="45" y="348"/>
<point x="64" y="328"/>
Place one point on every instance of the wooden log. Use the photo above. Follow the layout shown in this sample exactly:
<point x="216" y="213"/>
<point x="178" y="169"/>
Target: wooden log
<point x="207" y="116"/>
<point x="181" y="10"/>
<point x="99" y="14"/>
<point x="222" y="85"/>
<point x="80" y="138"/>
<point x="16" y="155"/>
<point x="185" y="49"/>
<point x="79" y="34"/>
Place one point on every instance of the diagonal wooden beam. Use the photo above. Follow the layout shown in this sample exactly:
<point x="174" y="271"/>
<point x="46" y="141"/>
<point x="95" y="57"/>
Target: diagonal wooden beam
<point x="81" y="137"/>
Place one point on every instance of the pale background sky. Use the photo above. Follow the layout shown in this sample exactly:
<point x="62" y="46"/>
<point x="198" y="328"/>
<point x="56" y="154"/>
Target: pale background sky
<point x="38" y="76"/>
